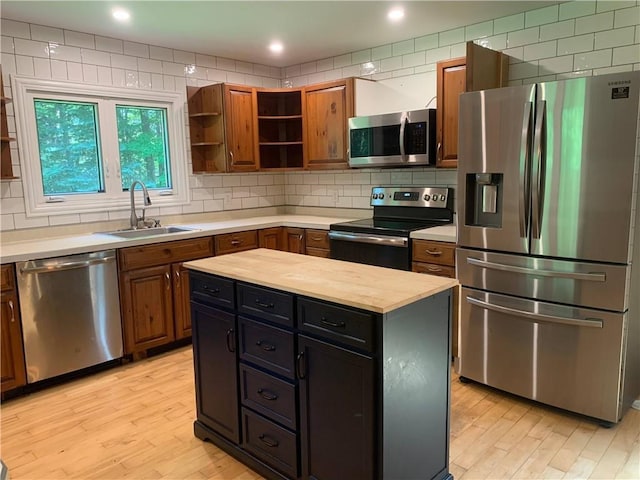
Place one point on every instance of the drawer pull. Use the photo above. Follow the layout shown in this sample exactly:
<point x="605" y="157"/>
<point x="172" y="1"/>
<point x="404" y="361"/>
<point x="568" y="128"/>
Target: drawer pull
<point x="317" y="239"/>
<point x="267" y="395"/>
<point x="301" y="367"/>
<point x="264" y="305"/>
<point x="213" y="291"/>
<point x="435" y="253"/>
<point x="268" y="441"/>
<point x="434" y="269"/>
<point x="267" y="347"/>
<point x="329" y="323"/>
<point x="236" y="242"/>
<point x="230" y="340"/>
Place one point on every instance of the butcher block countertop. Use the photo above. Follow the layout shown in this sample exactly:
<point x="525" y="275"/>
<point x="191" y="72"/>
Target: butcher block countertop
<point x="367" y="287"/>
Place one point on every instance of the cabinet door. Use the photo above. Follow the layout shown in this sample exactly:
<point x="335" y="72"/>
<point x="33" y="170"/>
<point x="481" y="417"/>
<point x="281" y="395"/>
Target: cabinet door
<point x="327" y="109"/>
<point x="147" y="308"/>
<point x="181" y="304"/>
<point x="337" y="398"/>
<point x="272" y="238"/>
<point x="451" y="82"/>
<point x="12" y="362"/>
<point x="240" y="122"/>
<point x="216" y="370"/>
<point x="295" y="240"/>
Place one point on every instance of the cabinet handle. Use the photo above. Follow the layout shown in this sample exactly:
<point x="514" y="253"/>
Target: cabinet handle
<point x="235" y="242"/>
<point x="438" y="150"/>
<point x="434" y="269"/>
<point x="177" y="278"/>
<point x="230" y="340"/>
<point x="168" y="277"/>
<point x="329" y="323"/>
<point x="316" y="239"/>
<point x="300" y="237"/>
<point x="301" y="366"/>
<point x="267" y="395"/>
<point x="264" y="305"/>
<point x="435" y="253"/>
<point x="231" y="155"/>
<point x="213" y="291"/>
<point x="268" y="441"/>
<point x="11" y="307"/>
<point x="267" y="347"/>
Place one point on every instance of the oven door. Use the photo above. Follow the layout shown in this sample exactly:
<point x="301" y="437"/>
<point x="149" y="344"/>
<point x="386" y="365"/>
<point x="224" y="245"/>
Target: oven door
<point x="380" y="250"/>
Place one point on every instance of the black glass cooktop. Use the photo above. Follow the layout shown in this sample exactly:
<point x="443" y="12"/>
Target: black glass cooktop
<point x="386" y="226"/>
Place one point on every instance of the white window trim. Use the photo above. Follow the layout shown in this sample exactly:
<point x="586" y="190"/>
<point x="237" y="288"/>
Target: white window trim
<point x="25" y="88"/>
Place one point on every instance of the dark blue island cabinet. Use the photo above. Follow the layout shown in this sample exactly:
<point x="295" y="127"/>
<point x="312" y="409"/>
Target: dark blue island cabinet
<point x="303" y="376"/>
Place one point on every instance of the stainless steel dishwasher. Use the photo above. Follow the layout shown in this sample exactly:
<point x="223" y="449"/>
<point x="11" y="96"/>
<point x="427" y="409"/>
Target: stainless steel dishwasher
<point x="70" y="313"/>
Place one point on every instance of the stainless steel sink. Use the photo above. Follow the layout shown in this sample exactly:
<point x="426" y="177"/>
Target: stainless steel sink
<point x="148" y="232"/>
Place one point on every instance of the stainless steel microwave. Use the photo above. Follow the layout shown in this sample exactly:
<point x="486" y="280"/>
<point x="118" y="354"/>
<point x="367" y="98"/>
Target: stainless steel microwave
<point x="393" y="139"/>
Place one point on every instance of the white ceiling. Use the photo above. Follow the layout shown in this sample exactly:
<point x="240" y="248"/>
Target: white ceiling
<point x="309" y="30"/>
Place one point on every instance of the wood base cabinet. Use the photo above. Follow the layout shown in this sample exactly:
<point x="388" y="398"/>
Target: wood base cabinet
<point x="12" y="362"/>
<point x="326" y="391"/>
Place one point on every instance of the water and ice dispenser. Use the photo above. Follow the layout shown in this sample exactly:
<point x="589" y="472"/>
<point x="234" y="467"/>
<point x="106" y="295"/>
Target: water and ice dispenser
<point x="484" y="199"/>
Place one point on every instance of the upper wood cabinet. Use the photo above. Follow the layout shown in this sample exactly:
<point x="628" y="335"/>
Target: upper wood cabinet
<point x="328" y="106"/>
<point x="241" y="125"/>
<point x="480" y="69"/>
<point x="206" y="128"/>
<point x="6" y="169"/>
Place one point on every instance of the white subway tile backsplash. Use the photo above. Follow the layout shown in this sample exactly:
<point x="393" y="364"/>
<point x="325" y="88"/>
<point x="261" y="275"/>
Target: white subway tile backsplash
<point x="64" y="219"/>
<point x="112" y="45"/>
<point x="450" y="37"/>
<point x="541" y="16"/>
<point x="131" y="78"/>
<point x="160" y="53"/>
<point x="47" y="34"/>
<point x="226" y="64"/>
<point x="391" y="63"/>
<point x="426" y="42"/>
<point x="244" y="67"/>
<point x="31" y="48"/>
<point x="523" y="37"/>
<point x="576" y="9"/>
<point x="180" y="56"/>
<point x="175" y="69"/>
<point x="118" y="77"/>
<point x="518" y="71"/>
<point x="495" y="42"/>
<point x="578" y="44"/>
<point x="594" y="23"/>
<point x="205" y="61"/>
<point x="74" y="72"/>
<point x="136" y="49"/>
<point x="342" y="61"/>
<point x="90" y="73"/>
<point x="478" y="30"/>
<point x="361" y="56"/>
<point x="595" y="59"/>
<point x="627" y="17"/>
<point x="608" y="5"/>
<point x="508" y="24"/>
<point x="626" y="55"/>
<point x="615" y="38"/>
<point x="58" y="70"/>
<point x="24" y="65"/>
<point x="62" y="52"/>
<point x="78" y="39"/>
<point x="403" y="48"/>
<point x="540" y="50"/>
<point x="413" y="59"/>
<point x="617" y="69"/>
<point x="6" y="45"/>
<point x="42" y="68"/>
<point x="12" y="28"/>
<point x="144" y="80"/>
<point x="437" y="54"/>
<point x="216" y="75"/>
<point x="126" y="62"/>
<point x="516" y="55"/>
<point x="324" y="65"/>
<point x="21" y="221"/>
<point x="95" y="57"/>
<point x="557" y="30"/>
<point x="555" y="65"/>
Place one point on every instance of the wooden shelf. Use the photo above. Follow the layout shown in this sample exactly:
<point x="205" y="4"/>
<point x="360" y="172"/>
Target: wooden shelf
<point x="206" y="144"/>
<point x="279" y="117"/>
<point x="280" y="143"/>
<point x="7" y="139"/>
<point x="5" y="100"/>
<point x="6" y="169"/>
<point x="204" y="114"/>
<point x="206" y="129"/>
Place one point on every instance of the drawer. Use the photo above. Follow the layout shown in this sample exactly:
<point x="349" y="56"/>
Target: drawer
<point x="427" y="251"/>
<point x="317" y="239"/>
<point x="269" y="442"/>
<point x="266" y="304"/>
<point x="163" y="253"/>
<point x="434" y="269"/>
<point x="344" y="325"/>
<point x="7" y="281"/>
<point x="211" y="290"/>
<point x="319" y="252"/>
<point x="270" y="396"/>
<point x="266" y="346"/>
<point x="236" y="242"/>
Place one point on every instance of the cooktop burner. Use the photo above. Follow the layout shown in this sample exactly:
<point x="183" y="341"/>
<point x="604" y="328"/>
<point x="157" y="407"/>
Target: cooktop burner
<point x="386" y="226"/>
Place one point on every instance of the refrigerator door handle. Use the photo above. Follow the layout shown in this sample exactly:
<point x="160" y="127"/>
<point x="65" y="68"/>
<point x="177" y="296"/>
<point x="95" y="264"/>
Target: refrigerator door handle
<point x="525" y="166"/>
<point x="538" y="166"/>
<point x="592" y="277"/>
<point x="538" y="317"/>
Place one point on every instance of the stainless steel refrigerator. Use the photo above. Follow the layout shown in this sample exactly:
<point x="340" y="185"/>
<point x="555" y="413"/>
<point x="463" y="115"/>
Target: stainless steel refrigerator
<point x="549" y="266"/>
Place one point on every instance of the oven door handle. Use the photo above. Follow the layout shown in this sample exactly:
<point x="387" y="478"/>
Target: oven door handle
<point x="384" y="240"/>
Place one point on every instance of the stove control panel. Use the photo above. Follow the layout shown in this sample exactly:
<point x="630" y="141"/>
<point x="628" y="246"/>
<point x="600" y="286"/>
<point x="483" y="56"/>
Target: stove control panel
<point x="412" y="196"/>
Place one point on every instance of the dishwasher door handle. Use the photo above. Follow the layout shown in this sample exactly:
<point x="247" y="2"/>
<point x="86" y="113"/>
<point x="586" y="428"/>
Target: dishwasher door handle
<point x="67" y="265"/>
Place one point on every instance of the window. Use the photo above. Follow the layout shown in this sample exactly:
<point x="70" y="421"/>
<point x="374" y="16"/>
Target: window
<point x="83" y="146"/>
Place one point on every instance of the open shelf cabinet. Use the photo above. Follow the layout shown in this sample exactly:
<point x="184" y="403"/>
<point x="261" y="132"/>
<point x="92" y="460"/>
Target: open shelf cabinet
<point x="6" y="169"/>
<point x="206" y="128"/>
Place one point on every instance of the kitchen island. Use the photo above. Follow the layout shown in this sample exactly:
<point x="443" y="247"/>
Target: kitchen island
<point x="307" y="367"/>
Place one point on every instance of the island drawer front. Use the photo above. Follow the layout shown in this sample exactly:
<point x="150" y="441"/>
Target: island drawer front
<point x="266" y="304"/>
<point x="344" y="325"/>
<point x="319" y="252"/>
<point x="236" y="242"/>
<point x="269" y="442"/>
<point x="266" y="346"/>
<point x="434" y="269"/>
<point x="162" y="253"/>
<point x="211" y="290"/>
<point x="270" y="396"/>
<point x="317" y="239"/>
<point x="427" y="251"/>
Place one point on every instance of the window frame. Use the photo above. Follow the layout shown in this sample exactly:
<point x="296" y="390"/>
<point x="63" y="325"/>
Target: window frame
<point x="25" y="90"/>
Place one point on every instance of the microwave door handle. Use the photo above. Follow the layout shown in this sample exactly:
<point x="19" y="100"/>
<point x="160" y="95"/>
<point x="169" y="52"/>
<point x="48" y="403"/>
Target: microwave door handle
<point x="403" y="124"/>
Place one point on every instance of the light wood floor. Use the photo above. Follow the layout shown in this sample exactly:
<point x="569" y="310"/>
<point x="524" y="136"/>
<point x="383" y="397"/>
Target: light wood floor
<point x="135" y="421"/>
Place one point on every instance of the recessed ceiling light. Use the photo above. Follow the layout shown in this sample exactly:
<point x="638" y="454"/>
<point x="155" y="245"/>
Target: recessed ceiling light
<point x="396" y="14"/>
<point x="276" y="47"/>
<point x="121" y="14"/>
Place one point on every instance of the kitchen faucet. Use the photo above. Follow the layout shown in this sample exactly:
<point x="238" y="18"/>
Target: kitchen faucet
<point x="135" y="221"/>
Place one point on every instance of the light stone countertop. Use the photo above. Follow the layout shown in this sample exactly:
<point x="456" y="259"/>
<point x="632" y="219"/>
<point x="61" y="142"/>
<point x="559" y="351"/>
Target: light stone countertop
<point x="92" y="242"/>
<point x="357" y="285"/>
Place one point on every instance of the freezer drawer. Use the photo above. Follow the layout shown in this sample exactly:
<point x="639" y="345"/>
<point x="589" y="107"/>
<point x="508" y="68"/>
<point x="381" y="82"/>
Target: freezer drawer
<point x="592" y="285"/>
<point x="563" y="356"/>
